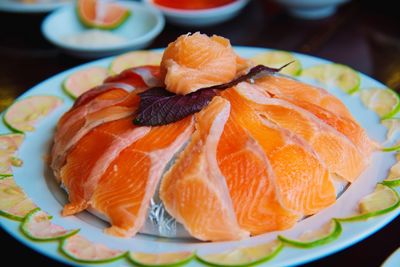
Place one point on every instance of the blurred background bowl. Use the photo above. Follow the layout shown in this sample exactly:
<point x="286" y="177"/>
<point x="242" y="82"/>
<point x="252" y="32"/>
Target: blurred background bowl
<point x="201" y="17"/>
<point x="311" y="9"/>
<point x="139" y="30"/>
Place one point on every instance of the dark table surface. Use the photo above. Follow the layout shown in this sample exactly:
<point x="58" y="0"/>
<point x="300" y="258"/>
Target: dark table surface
<point x="362" y="34"/>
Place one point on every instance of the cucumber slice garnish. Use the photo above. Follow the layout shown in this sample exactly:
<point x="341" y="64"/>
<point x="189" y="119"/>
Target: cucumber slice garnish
<point x="9" y="144"/>
<point x="14" y="203"/>
<point x="23" y="114"/>
<point x="341" y="76"/>
<point x="383" y="200"/>
<point x="37" y="226"/>
<point x="160" y="259"/>
<point x="319" y="237"/>
<point x="277" y="59"/>
<point x="243" y="256"/>
<point x="84" y="80"/>
<point x="134" y="59"/>
<point x="385" y="102"/>
<point x="82" y="250"/>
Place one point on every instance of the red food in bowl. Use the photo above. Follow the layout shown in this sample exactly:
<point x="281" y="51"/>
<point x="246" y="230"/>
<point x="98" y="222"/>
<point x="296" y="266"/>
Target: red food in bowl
<point x="192" y="4"/>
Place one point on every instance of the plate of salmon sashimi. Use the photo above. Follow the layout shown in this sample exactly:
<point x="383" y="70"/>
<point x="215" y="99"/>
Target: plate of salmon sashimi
<point x="200" y="154"/>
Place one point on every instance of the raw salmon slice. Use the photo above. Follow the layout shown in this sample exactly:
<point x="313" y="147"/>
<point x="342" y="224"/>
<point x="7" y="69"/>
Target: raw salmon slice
<point x="346" y="126"/>
<point x="289" y="88"/>
<point x="338" y="153"/>
<point x="303" y="182"/>
<point x="250" y="180"/>
<point x="131" y="79"/>
<point x="90" y="157"/>
<point x="195" y="61"/>
<point x="86" y="117"/>
<point x="124" y="191"/>
<point x="194" y="191"/>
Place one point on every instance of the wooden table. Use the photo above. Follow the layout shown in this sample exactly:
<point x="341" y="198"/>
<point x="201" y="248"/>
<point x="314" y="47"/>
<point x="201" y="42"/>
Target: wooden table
<point x="363" y="34"/>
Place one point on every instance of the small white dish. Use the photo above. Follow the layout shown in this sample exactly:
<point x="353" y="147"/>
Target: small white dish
<point x="139" y="30"/>
<point x="15" y="6"/>
<point x="202" y="17"/>
<point x="311" y="9"/>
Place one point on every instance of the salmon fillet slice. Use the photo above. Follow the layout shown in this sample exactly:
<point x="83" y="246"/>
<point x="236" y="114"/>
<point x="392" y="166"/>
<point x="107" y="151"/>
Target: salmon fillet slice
<point x="87" y="117"/>
<point x="250" y="181"/>
<point x="288" y="88"/>
<point x="303" y="182"/>
<point x="339" y="154"/>
<point x="90" y="157"/>
<point x="194" y="191"/>
<point x="346" y="126"/>
<point x="124" y="191"/>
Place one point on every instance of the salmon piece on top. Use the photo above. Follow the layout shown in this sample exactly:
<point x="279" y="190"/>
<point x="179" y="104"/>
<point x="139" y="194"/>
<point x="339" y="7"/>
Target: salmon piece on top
<point x="196" y="61"/>
<point x="194" y="191"/>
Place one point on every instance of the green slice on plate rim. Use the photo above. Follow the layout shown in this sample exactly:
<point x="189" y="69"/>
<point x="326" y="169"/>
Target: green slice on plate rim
<point x="383" y="200"/>
<point x="134" y="59"/>
<point x="82" y="250"/>
<point x="9" y="144"/>
<point x="341" y="76"/>
<point x="25" y="113"/>
<point x="276" y="59"/>
<point x="243" y="256"/>
<point x="38" y="227"/>
<point x="161" y="259"/>
<point x="14" y="203"/>
<point x="385" y="102"/>
<point x="310" y="239"/>
<point x="83" y="80"/>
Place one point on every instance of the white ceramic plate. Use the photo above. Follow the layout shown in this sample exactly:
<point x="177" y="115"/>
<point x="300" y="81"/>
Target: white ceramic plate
<point x="140" y="29"/>
<point x="34" y="178"/>
<point x="17" y="7"/>
<point x="393" y="260"/>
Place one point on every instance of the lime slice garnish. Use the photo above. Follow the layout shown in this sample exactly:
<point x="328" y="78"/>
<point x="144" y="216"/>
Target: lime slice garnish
<point x="9" y="143"/>
<point x="134" y="59"/>
<point x="37" y="226"/>
<point x="23" y="114"/>
<point x="277" y="59"/>
<point x="82" y="250"/>
<point x="393" y="178"/>
<point x="385" y="102"/>
<point x="161" y="259"/>
<point x="393" y="126"/>
<point x="14" y="203"/>
<point x="243" y="256"/>
<point x="341" y="76"/>
<point x="383" y="200"/>
<point x="326" y="234"/>
<point x="84" y="80"/>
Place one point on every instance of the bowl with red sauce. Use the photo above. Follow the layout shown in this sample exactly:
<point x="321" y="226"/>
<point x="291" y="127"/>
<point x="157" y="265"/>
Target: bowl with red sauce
<point x="198" y="12"/>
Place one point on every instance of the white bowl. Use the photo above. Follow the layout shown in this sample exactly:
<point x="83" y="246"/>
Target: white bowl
<point x="202" y="17"/>
<point x="311" y="9"/>
<point x="143" y="25"/>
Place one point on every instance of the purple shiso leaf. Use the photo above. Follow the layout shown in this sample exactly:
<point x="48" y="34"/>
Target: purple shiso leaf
<point x="159" y="106"/>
